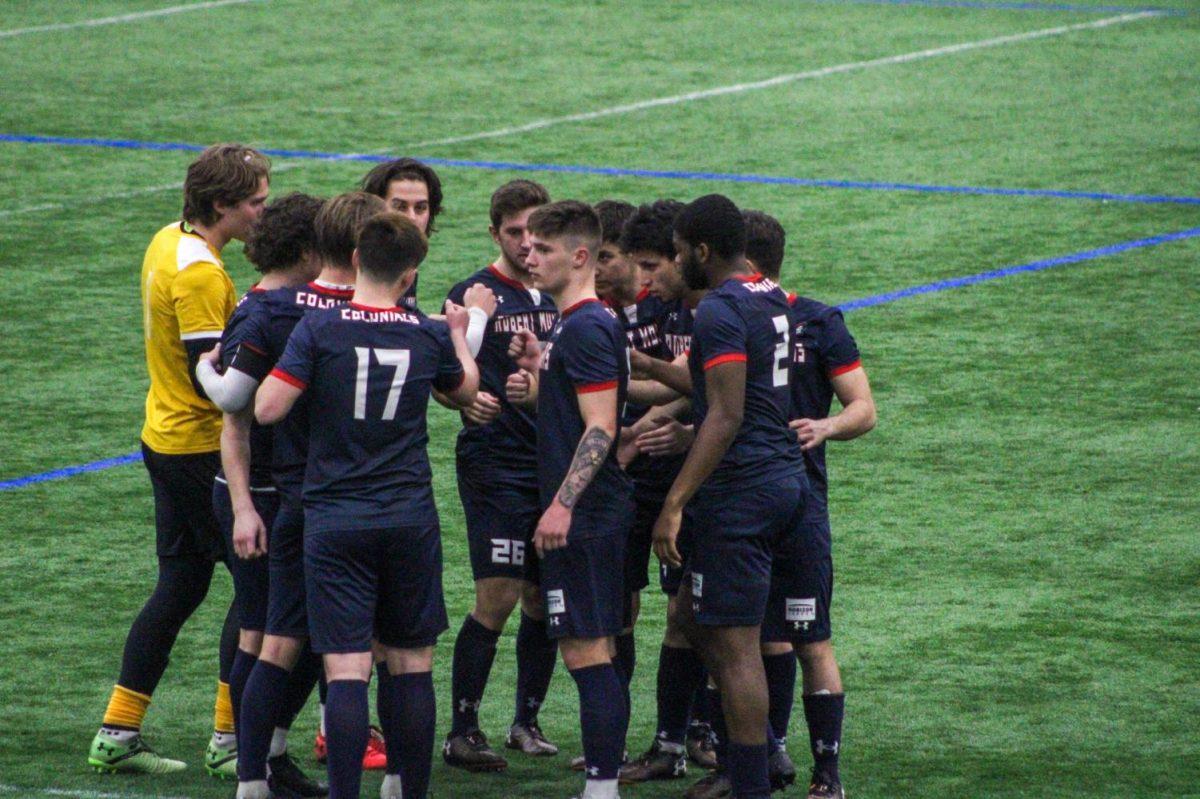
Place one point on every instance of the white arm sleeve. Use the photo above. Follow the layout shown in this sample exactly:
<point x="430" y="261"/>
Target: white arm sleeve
<point x="231" y="392"/>
<point x="475" y="328"/>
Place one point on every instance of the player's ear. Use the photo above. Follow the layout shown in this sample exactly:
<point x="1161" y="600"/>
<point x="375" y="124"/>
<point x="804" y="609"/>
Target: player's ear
<point x="494" y="233"/>
<point x="703" y="252"/>
<point x="406" y="280"/>
<point x="580" y="256"/>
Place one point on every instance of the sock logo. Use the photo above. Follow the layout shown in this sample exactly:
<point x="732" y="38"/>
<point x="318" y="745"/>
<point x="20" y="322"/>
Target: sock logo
<point x="823" y="748"/>
<point x="555" y="602"/>
<point x="467" y="706"/>
<point x="801" y="610"/>
<point x="697" y="584"/>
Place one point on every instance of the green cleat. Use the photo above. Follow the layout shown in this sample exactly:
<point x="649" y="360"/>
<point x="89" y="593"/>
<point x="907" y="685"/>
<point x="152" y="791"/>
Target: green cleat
<point x="221" y="764"/>
<point x="133" y="757"/>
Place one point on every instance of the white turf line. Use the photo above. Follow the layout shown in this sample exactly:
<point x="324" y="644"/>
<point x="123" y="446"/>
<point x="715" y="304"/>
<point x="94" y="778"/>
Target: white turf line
<point x="134" y="17"/>
<point x="793" y="77"/>
<point x="673" y="100"/>
<point x="66" y="793"/>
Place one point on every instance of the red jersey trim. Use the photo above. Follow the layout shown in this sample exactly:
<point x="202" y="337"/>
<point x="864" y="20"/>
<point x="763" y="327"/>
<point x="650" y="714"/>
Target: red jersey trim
<point x="252" y="348"/>
<point x="291" y="381"/>
<point x="729" y="357"/>
<point x="841" y="370"/>
<point x="505" y="279"/>
<point x="749" y="278"/>
<point x="593" y="387"/>
<point x="792" y="297"/>
<point x="643" y="294"/>
<point x="577" y="306"/>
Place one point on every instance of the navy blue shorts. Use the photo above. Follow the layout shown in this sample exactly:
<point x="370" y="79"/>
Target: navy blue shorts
<point x="287" y="611"/>
<point x="383" y="584"/>
<point x="250" y="577"/>
<point x="802" y="583"/>
<point x="734" y="537"/>
<point x="582" y="583"/>
<point x="637" y="551"/>
<point x="501" y="519"/>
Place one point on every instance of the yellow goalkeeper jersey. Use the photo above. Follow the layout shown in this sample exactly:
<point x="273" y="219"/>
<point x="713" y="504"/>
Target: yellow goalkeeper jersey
<point x="186" y="294"/>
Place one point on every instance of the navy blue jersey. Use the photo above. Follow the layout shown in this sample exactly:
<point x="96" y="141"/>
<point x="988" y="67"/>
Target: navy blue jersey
<point x="508" y="443"/>
<point x="370" y="371"/>
<point x="748" y="319"/>
<point x="822" y="349"/>
<point x="643" y="327"/>
<point x="266" y="334"/>
<point x="676" y="326"/>
<point x="587" y="351"/>
<point x="239" y="325"/>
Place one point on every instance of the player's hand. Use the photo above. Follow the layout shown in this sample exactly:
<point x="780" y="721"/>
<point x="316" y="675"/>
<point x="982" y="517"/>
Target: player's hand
<point x="482" y="297"/>
<point x="213" y="357"/>
<point x="666" y="532"/>
<point x="639" y="365"/>
<point x="526" y="350"/>
<point x="249" y="535"/>
<point x="519" y="387"/>
<point x="811" y="432"/>
<point x="457" y="317"/>
<point x="669" y="438"/>
<point x="552" y="528"/>
<point x="627" y="448"/>
<point x="483" y="410"/>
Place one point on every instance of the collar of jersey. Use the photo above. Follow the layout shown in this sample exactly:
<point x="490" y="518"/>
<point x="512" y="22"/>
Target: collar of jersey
<point x="754" y="278"/>
<point x="505" y="279"/>
<point x="324" y="284"/>
<point x="358" y="306"/>
<point x="577" y="306"/>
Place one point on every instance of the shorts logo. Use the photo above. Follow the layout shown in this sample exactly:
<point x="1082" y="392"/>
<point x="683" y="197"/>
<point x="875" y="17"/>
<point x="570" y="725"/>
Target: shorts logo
<point x="506" y="551"/>
<point x="555" y="603"/>
<point x="801" y="610"/>
<point x="697" y="584"/>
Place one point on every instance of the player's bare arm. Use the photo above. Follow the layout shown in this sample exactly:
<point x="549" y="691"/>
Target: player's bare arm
<point x="599" y="412"/>
<point x="651" y="392"/>
<point x="672" y="374"/>
<point x="249" y="531"/>
<point x="274" y="400"/>
<point x="725" y="390"/>
<point x="857" y="416"/>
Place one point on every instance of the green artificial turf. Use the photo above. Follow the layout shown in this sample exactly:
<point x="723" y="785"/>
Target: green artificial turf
<point x="1016" y="547"/>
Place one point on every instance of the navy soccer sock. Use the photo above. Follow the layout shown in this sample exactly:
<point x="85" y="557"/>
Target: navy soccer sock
<point x="346" y="722"/>
<point x="536" y="653"/>
<point x="680" y="674"/>
<point x="409" y="728"/>
<point x="824" y="713"/>
<point x="265" y="688"/>
<point x="781" y="692"/>
<point x="305" y="674"/>
<point x="228" y="646"/>
<point x="625" y="660"/>
<point x="474" y="651"/>
<point x="603" y="717"/>
<point x="747" y="770"/>
<point x="243" y="662"/>
<point x="717" y="716"/>
<point x="384" y="706"/>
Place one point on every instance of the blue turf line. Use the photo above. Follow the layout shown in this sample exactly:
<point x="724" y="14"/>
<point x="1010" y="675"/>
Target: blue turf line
<point x="1000" y="5"/>
<point x="864" y="302"/>
<point x="660" y="174"/>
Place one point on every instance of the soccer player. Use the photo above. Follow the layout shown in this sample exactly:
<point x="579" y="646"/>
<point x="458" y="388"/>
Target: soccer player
<point x="826" y="363"/>
<point x="582" y="376"/>
<point x="413" y="189"/>
<point x="281" y="679"/>
<point x="186" y="299"/>
<point x="372" y="544"/>
<point x="742" y="477"/>
<point x="660" y="441"/>
<point x="496" y="462"/>
<point x="282" y="246"/>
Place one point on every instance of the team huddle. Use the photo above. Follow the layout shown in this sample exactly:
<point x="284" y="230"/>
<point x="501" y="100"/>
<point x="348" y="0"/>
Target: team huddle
<point x="630" y="379"/>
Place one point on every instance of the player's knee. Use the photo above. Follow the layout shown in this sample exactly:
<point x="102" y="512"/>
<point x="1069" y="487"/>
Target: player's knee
<point x="776" y="648"/>
<point x="280" y="651"/>
<point x="531" y="602"/>
<point x="250" y="641"/>
<point x="816" y="653"/>
<point x="579" y="653"/>
<point x="349" y="666"/>
<point x="495" y="599"/>
<point x="409" y="661"/>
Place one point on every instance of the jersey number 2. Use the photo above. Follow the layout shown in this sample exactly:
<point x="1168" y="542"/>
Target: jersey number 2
<point x="398" y="359"/>
<point x="782" y="350"/>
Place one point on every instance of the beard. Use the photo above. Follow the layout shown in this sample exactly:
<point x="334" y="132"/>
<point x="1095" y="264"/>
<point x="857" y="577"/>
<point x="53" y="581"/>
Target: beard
<point x="693" y="273"/>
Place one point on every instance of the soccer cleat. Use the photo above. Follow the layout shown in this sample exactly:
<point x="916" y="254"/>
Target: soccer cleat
<point x="780" y="769"/>
<point x="714" y="785"/>
<point x="578" y="763"/>
<point x="821" y="787"/>
<point x="702" y="746"/>
<point x="529" y="739"/>
<point x="471" y="752"/>
<point x="375" y="758"/>
<point x="133" y="756"/>
<point x="286" y="779"/>
<point x="221" y="764"/>
<point x="655" y="764"/>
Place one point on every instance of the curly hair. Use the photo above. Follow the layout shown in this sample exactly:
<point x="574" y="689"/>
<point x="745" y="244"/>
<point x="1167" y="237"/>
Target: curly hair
<point x="650" y="228"/>
<point x="284" y="234"/>
<point x="378" y="179"/>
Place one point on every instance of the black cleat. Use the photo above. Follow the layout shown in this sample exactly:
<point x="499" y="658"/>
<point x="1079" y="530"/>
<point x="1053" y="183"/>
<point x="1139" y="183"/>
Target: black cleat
<point x="781" y="770"/>
<point x="714" y="785"/>
<point x="655" y="764"/>
<point x="822" y="787"/>
<point x="471" y="752"/>
<point x="702" y="746"/>
<point x="287" y="780"/>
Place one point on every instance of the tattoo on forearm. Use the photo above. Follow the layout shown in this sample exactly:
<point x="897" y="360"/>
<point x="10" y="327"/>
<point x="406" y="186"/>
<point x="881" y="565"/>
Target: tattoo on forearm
<point x="589" y="457"/>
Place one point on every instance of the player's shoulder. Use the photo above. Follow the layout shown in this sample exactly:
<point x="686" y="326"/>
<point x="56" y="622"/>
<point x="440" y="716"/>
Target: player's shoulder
<point x="810" y="311"/>
<point x="483" y="276"/>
